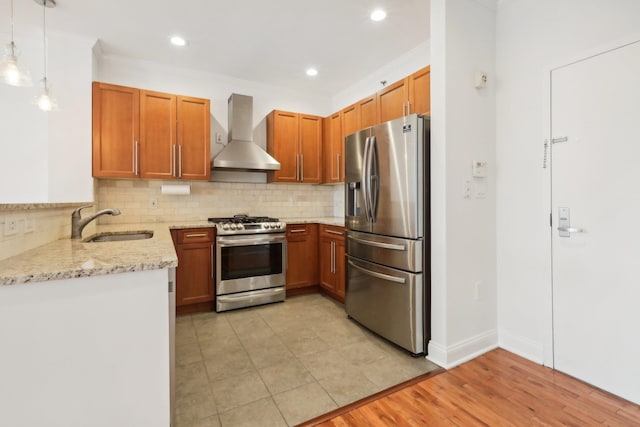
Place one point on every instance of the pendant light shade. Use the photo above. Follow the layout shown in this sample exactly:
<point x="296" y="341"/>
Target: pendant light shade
<point x="11" y="70"/>
<point x="45" y="101"/>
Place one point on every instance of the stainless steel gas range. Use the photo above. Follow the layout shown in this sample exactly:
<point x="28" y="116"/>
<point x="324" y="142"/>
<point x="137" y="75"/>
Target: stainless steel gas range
<point x="250" y="261"/>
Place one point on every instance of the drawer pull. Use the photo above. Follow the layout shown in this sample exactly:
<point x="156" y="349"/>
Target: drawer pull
<point x="196" y="235"/>
<point x="298" y="230"/>
<point x="334" y="232"/>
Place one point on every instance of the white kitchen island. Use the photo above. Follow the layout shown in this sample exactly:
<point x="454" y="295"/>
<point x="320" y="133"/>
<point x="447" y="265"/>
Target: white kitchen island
<point x="84" y="334"/>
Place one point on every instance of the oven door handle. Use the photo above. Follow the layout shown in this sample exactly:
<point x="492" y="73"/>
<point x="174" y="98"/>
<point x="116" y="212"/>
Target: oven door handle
<point x="227" y="242"/>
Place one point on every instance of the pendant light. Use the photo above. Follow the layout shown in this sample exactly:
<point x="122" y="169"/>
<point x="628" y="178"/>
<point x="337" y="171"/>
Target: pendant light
<point x="11" y="71"/>
<point x="45" y="100"/>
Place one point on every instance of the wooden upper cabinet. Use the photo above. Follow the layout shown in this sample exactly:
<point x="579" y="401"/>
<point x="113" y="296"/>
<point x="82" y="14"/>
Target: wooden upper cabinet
<point x="116" y="130"/>
<point x="295" y="140"/>
<point x="311" y="148"/>
<point x="392" y="101"/>
<point x="350" y="120"/>
<point x="282" y="143"/>
<point x="157" y="135"/>
<point x="194" y="138"/>
<point x="420" y="91"/>
<point x="368" y="112"/>
<point x="146" y="134"/>
<point x="333" y="149"/>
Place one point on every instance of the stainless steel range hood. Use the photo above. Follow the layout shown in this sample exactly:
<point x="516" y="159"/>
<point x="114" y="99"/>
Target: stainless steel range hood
<point x="240" y="152"/>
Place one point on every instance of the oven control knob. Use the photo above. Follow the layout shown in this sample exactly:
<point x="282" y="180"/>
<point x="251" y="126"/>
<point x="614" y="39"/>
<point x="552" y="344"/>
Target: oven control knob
<point x="265" y="226"/>
<point x="240" y="226"/>
<point x="279" y="225"/>
<point x="233" y="226"/>
<point x="225" y="226"/>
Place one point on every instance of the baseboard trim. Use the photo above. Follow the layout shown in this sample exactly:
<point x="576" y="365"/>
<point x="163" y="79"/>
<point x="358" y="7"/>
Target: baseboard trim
<point x="463" y="351"/>
<point x="522" y="346"/>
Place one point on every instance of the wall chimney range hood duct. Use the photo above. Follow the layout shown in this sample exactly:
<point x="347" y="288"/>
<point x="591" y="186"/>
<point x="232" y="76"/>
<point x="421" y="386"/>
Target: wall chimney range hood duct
<point x="240" y="152"/>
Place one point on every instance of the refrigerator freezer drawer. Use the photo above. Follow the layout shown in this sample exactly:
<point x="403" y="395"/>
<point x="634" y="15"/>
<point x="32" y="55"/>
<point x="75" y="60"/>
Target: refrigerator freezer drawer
<point x="387" y="301"/>
<point x="404" y="254"/>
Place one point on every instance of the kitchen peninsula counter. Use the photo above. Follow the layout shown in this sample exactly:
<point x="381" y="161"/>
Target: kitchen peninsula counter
<point x="68" y="259"/>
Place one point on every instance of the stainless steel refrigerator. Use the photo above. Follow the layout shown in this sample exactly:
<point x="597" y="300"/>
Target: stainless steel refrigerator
<point x="387" y="220"/>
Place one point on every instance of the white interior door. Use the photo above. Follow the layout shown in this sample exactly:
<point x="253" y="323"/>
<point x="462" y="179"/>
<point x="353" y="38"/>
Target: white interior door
<point x="595" y="105"/>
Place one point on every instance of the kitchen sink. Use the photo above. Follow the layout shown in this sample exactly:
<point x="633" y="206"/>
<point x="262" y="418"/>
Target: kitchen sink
<point x="120" y="236"/>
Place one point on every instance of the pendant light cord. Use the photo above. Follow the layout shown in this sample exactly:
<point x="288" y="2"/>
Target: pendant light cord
<point x="44" y="39"/>
<point x="13" y="43"/>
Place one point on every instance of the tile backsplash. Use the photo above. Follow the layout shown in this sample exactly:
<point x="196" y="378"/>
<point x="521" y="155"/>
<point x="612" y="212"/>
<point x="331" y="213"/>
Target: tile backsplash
<point x="38" y="225"/>
<point x="135" y="198"/>
<point x="33" y="227"/>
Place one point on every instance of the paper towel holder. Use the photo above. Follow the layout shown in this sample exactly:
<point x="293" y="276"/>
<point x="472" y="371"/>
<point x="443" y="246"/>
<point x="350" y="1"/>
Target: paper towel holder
<point x="176" y="190"/>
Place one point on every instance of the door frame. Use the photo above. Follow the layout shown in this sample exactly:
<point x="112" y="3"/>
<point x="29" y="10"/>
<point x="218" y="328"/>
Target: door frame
<point x="548" y="339"/>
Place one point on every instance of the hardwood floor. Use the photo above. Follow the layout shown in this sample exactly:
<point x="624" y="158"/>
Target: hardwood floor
<point x="496" y="389"/>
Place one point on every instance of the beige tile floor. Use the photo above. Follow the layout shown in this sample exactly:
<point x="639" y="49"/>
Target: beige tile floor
<point x="280" y="364"/>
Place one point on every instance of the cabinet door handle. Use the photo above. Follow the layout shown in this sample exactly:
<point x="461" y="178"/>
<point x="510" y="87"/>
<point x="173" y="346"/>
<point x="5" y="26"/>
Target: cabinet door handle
<point x="333" y="257"/>
<point x="174" y="154"/>
<point x="333" y="232"/>
<point x="408" y="107"/>
<point x="179" y="161"/>
<point x="212" y="263"/>
<point x="297" y="167"/>
<point x="196" y="235"/>
<point x="338" y="174"/>
<point x="301" y="167"/>
<point x="136" y="159"/>
<point x="298" y="230"/>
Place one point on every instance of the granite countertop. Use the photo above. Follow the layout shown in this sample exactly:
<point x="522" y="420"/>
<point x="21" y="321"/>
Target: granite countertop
<point x="67" y="259"/>
<point x="330" y="220"/>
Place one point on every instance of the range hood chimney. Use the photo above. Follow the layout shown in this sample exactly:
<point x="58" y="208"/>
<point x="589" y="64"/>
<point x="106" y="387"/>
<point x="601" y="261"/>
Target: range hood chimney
<point x="240" y="152"/>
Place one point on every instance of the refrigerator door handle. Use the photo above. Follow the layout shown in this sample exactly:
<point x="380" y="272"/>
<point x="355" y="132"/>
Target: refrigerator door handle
<point x="382" y="276"/>
<point x="379" y="244"/>
<point x="374" y="186"/>
<point x="365" y="178"/>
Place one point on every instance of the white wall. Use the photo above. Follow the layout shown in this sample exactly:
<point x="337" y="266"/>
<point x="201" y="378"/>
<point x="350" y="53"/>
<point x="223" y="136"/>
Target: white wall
<point x="406" y="64"/>
<point x="464" y="300"/>
<point x="533" y="36"/>
<point x="46" y="157"/>
<point x="173" y="79"/>
<point x="82" y="352"/>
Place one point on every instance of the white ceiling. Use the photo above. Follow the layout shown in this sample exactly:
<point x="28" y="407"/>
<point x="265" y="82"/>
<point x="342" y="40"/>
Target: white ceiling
<point x="273" y="42"/>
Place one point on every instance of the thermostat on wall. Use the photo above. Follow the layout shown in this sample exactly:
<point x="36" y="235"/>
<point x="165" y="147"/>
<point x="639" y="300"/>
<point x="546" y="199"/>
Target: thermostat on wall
<point x="479" y="169"/>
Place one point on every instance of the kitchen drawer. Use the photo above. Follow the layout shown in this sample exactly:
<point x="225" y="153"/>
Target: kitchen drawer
<point x="195" y="235"/>
<point x="299" y="230"/>
<point x="332" y="231"/>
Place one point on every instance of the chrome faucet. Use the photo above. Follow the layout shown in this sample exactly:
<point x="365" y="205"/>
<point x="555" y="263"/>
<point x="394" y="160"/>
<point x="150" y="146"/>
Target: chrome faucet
<point x="78" y="224"/>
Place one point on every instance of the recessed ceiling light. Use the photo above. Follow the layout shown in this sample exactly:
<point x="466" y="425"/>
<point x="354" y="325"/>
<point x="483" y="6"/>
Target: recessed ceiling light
<point x="178" y="41"/>
<point x="378" y="15"/>
<point x="312" y="72"/>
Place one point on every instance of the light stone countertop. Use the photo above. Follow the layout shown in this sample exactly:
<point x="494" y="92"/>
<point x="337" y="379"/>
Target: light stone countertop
<point x="330" y="220"/>
<point x="67" y="259"/>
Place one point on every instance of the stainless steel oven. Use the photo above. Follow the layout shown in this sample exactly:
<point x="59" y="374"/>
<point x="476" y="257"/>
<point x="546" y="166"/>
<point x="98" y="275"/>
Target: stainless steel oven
<point x="250" y="268"/>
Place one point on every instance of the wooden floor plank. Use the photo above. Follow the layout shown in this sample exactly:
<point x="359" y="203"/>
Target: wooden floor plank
<point x="496" y="389"/>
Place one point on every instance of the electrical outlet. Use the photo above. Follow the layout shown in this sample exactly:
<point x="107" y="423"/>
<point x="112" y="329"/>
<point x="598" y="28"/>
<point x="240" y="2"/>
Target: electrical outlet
<point x="467" y="189"/>
<point x="10" y="226"/>
<point x="153" y="203"/>
<point x="29" y="225"/>
<point x="218" y="138"/>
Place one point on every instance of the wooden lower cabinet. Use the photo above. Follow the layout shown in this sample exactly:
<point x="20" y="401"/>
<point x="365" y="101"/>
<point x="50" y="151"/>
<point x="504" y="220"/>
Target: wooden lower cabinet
<point x="302" y="255"/>
<point x="195" y="284"/>
<point x="332" y="261"/>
